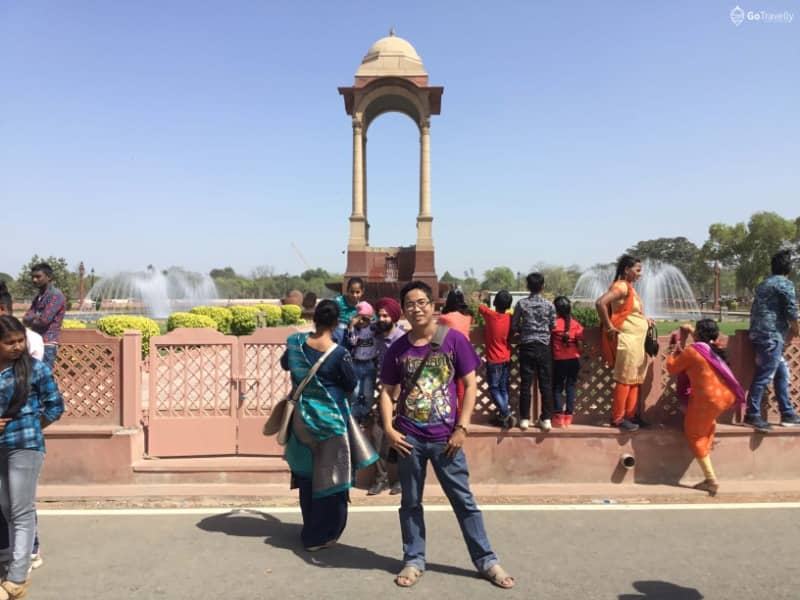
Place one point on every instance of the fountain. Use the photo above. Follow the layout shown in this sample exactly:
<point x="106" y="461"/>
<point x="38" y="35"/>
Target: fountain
<point x="152" y="293"/>
<point x="663" y="289"/>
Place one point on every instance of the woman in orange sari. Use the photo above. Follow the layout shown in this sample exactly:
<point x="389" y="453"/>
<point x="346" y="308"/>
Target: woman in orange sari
<point x="624" y="328"/>
<point x="713" y="390"/>
<point x="457" y="315"/>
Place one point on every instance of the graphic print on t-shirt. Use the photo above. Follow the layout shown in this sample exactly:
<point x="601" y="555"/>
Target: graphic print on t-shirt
<point x="428" y="402"/>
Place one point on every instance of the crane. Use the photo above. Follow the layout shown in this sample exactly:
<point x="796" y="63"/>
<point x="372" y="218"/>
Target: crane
<point x="300" y="255"/>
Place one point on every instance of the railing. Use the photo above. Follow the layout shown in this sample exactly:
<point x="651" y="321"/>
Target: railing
<point x="100" y="378"/>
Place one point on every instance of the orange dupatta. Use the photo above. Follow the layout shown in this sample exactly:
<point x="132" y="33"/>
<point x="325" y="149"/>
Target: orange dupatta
<point x="608" y="344"/>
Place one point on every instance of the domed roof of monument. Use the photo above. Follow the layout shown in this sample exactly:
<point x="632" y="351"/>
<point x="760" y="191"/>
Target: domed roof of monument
<point x="389" y="56"/>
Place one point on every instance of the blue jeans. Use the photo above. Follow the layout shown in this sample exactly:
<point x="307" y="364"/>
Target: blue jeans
<point x="363" y="396"/>
<point x="770" y="365"/>
<point x="453" y="476"/>
<point x="50" y="351"/>
<point x="498" y="375"/>
<point x="565" y="378"/>
<point x="19" y="474"/>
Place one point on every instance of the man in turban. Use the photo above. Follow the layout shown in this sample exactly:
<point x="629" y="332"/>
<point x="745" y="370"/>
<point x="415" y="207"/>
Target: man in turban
<point x="388" y="313"/>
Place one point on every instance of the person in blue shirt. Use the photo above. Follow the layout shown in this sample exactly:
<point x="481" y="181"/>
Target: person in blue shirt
<point x="29" y="402"/>
<point x="773" y="322"/>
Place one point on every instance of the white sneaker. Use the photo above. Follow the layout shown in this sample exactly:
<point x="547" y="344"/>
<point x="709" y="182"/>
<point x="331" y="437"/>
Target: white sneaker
<point x="36" y="560"/>
<point x="544" y="424"/>
<point x="524" y="424"/>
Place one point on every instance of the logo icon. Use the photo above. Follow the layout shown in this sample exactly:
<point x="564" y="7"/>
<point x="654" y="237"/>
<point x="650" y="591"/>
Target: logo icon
<point x="737" y="15"/>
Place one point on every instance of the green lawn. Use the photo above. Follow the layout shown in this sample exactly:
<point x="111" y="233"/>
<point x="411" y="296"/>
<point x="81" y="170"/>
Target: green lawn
<point x="726" y="327"/>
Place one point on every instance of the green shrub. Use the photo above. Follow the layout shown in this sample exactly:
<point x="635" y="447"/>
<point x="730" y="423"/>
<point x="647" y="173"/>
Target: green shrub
<point x="244" y="320"/>
<point x="291" y="314"/>
<point x="116" y="326"/>
<point x="184" y="319"/>
<point x="272" y="313"/>
<point x="72" y="324"/>
<point x="586" y="316"/>
<point x="222" y="316"/>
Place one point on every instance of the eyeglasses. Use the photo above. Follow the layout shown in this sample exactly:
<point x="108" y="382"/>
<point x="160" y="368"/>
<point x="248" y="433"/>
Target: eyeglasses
<point x="421" y="304"/>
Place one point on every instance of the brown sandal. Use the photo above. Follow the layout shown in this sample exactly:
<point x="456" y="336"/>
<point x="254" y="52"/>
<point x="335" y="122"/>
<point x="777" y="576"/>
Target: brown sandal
<point x="410" y="574"/>
<point x="707" y="485"/>
<point x="498" y="576"/>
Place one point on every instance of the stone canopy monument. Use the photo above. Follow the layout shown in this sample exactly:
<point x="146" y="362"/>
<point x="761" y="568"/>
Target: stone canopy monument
<point x="391" y="78"/>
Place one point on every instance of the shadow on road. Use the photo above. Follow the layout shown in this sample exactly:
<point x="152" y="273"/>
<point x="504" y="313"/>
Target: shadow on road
<point x="661" y="590"/>
<point x="249" y="523"/>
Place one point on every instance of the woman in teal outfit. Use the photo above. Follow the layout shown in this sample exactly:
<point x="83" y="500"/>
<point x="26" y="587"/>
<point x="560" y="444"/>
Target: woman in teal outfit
<point x="318" y="450"/>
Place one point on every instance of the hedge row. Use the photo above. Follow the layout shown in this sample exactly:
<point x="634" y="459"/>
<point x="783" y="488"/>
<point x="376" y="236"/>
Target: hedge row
<point x="116" y="326"/>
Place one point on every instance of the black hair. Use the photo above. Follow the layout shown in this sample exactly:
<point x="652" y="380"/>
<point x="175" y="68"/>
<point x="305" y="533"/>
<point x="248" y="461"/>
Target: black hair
<point x="502" y="301"/>
<point x="6" y="301"/>
<point x="535" y="282"/>
<point x="455" y="303"/>
<point x="415" y="285"/>
<point x="781" y="262"/>
<point x="355" y="280"/>
<point x="22" y="368"/>
<point x="707" y="330"/>
<point x="626" y="261"/>
<point x="564" y="310"/>
<point x="44" y="268"/>
<point x="326" y="314"/>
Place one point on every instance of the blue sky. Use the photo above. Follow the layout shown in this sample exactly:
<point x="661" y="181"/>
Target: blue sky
<point x="211" y="134"/>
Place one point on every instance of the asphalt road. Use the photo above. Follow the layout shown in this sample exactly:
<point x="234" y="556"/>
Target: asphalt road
<point x="610" y="553"/>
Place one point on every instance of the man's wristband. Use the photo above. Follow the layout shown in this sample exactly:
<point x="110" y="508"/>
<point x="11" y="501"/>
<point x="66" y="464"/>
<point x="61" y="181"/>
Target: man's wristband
<point x="462" y="428"/>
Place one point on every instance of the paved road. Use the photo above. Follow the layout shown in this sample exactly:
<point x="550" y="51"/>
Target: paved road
<point x="608" y="553"/>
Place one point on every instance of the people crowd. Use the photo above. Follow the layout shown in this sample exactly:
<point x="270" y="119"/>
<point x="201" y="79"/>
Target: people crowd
<point x="423" y="373"/>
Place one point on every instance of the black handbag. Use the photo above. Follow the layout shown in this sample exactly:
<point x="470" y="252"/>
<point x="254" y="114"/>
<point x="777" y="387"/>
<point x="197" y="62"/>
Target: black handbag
<point x="651" y="341"/>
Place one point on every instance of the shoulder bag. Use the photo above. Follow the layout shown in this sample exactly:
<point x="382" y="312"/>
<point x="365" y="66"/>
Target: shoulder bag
<point x="281" y="416"/>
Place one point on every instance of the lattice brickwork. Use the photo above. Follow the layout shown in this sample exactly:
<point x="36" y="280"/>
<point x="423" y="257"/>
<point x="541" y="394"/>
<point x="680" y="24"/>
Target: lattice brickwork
<point x="88" y="378"/>
<point x="265" y="381"/>
<point x="192" y="380"/>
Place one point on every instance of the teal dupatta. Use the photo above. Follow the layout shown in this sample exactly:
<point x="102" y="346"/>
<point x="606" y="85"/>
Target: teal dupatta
<point x="318" y="447"/>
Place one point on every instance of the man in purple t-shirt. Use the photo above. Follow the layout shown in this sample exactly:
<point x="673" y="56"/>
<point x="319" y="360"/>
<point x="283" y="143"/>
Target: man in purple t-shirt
<point x="429" y="427"/>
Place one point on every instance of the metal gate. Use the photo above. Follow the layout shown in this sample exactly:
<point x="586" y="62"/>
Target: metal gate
<point x="211" y="393"/>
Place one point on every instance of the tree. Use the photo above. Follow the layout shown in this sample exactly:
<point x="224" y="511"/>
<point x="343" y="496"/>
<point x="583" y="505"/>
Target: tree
<point x="63" y="279"/>
<point x="748" y="248"/>
<point x="681" y="253"/>
<point x="558" y="280"/>
<point x="226" y="273"/>
<point x="6" y="277"/>
<point x="499" y="278"/>
<point x="319" y="273"/>
<point x="449" y="279"/>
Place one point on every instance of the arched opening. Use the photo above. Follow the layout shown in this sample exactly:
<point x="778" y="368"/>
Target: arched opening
<point x="392" y="175"/>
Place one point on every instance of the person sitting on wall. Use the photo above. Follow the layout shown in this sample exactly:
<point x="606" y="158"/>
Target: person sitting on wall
<point x="347" y="307"/>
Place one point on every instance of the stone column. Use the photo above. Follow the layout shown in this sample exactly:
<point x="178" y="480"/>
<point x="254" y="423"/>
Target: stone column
<point x="358" y="170"/>
<point x="358" y="238"/>
<point x="364" y="198"/>
<point x="425" y="218"/>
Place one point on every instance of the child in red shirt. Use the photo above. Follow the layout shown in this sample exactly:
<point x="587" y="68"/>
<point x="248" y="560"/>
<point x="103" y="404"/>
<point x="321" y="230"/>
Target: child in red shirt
<point x="498" y="356"/>
<point x="567" y="340"/>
